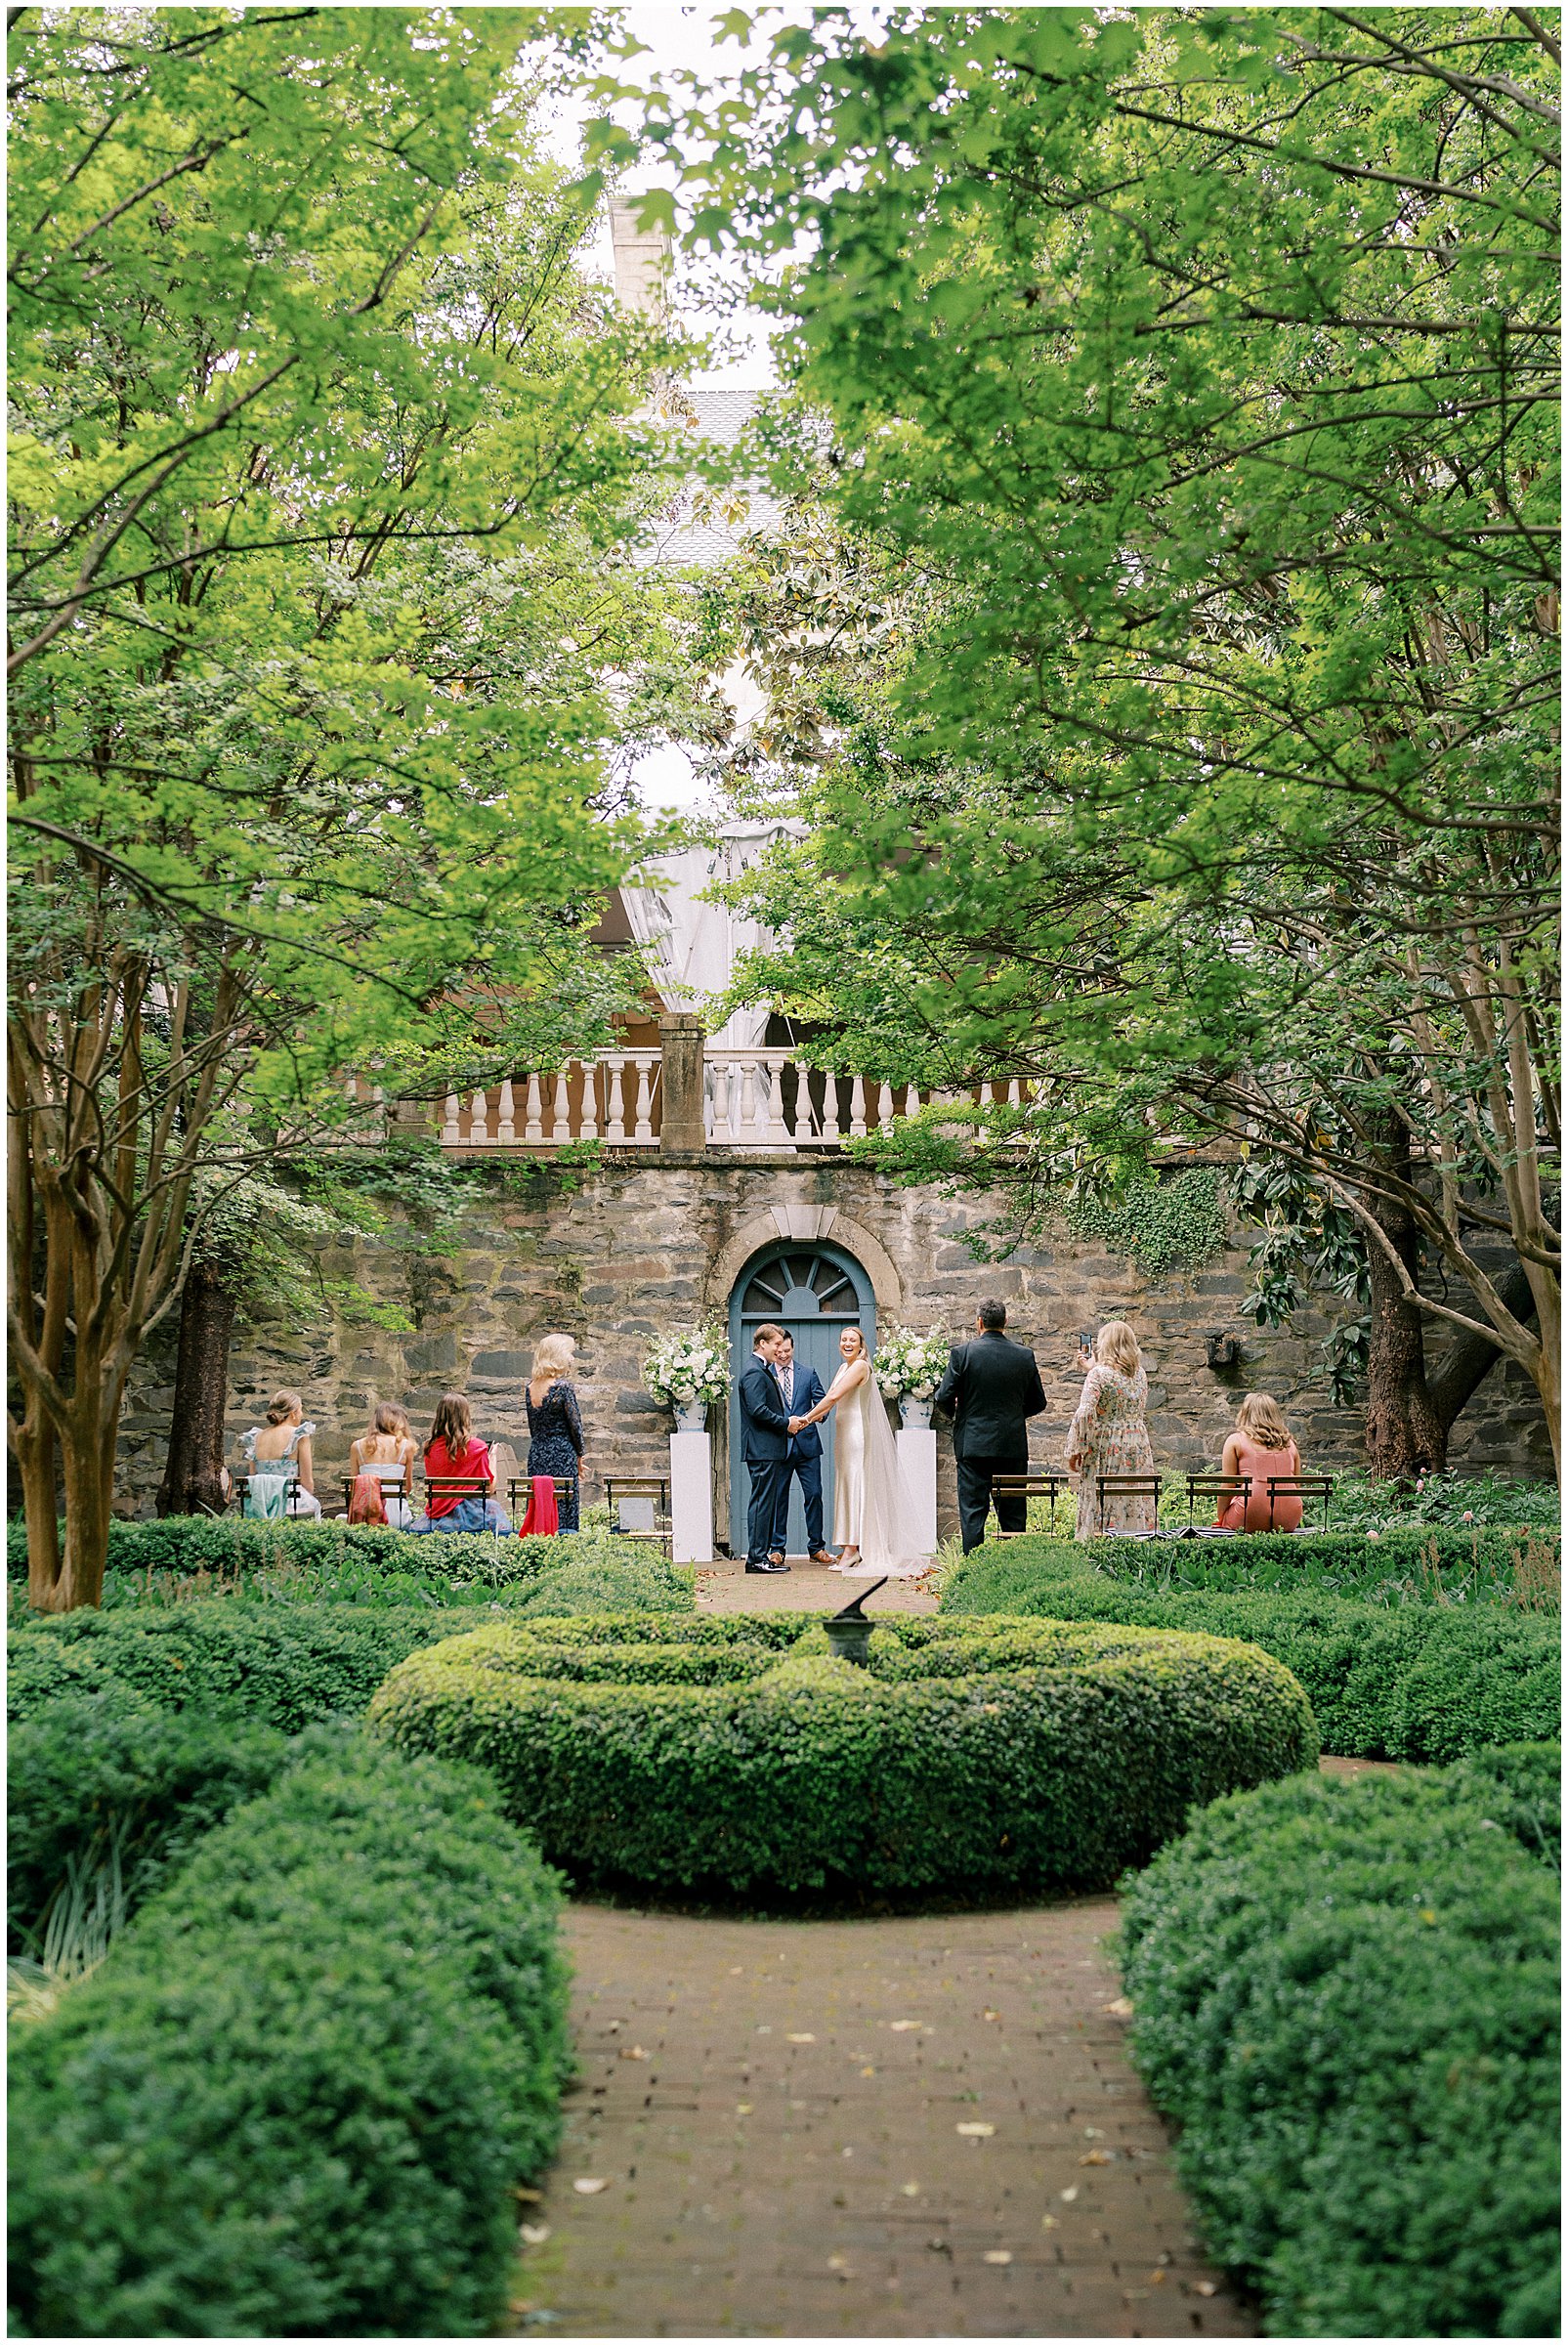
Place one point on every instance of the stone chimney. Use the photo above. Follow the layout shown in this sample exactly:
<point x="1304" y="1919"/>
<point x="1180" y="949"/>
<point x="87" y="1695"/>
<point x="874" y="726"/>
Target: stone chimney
<point x="642" y="262"/>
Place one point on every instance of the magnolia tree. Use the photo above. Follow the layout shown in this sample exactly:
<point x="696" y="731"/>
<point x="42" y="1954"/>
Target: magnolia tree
<point x="324" y="636"/>
<point x="1191" y="388"/>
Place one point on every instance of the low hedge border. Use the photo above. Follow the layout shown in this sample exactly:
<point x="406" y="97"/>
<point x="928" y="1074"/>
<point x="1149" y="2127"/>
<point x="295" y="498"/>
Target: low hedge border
<point x="154" y="1565"/>
<point x="275" y="1665"/>
<point x="748" y="1757"/>
<point x="295" y="2097"/>
<point x="281" y="1665"/>
<point x="1348" y="1995"/>
<point x="1420" y="1682"/>
<point x="1400" y="1563"/>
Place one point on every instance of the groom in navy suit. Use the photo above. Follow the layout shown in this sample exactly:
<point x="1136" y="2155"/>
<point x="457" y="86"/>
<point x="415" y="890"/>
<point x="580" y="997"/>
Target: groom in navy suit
<point x="767" y="1431"/>
<point x="799" y="1391"/>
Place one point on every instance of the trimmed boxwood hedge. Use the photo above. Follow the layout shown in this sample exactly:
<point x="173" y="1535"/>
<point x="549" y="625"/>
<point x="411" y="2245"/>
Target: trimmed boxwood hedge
<point x="152" y="1565"/>
<point x="85" y="1776"/>
<point x="281" y="1665"/>
<point x="277" y="1665"/>
<point x="295" y="2097"/>
<point x="1348" y="1995"/>
<point x="1417" y="1682"/>
<point x="735" y="1754"/>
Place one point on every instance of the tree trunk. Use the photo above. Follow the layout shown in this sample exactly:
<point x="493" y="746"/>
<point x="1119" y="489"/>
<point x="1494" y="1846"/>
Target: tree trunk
<point x="34" y="1448"/>
<point x="1406" y="1433"/>
<point x="87" y="1448"/>
<point x="192" y="1478"/>
<point x="1472" y="1357"/>
<point x="89" y="1471"/>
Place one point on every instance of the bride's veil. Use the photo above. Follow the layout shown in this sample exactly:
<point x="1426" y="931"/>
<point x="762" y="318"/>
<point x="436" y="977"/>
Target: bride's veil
<point x="891" y="1531"/>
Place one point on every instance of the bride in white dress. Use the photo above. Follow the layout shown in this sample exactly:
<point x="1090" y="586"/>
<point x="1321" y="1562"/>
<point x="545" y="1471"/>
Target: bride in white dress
<point x="875" y="1517"/>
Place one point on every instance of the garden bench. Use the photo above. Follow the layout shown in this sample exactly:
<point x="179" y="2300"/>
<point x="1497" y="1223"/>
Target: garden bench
<point x="1218" y="1489"/>
<point x="561" y="1484"/>
<point x="393" y="1481"/>
<point x="1027" y="1487"/>
<point x="639" y="1491"/>
<point x="1110" y="1486"/>
<point x="460" y="1485"/>
<point x="1311" y="1488"/>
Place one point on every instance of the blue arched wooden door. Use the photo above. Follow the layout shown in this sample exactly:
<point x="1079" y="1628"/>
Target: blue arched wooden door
<point x="814" y="1292"/>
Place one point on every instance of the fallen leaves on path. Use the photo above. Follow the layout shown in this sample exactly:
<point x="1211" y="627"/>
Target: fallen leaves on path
<point x="588" y="2186"/>
<point x="977" y="2132"/>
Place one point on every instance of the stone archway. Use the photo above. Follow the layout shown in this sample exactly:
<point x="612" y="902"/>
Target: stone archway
<point x="805" y="1224"/>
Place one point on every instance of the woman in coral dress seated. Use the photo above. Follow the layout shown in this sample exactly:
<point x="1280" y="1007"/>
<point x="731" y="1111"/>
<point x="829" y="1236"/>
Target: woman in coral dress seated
<point x="1261" y="1446"/>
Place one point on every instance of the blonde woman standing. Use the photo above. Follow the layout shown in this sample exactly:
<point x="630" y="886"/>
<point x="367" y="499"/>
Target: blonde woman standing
<point x="1109" y="1434"/>
<point x="555" y="1422"/>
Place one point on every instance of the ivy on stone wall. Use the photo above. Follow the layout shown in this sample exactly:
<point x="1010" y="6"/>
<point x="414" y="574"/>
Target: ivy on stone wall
<point x="1161" y="1225"/>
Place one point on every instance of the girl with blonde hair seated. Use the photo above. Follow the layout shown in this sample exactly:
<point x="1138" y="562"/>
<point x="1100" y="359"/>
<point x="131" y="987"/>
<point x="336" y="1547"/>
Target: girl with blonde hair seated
<point x="1260" y="1446"/>
<point x="1108" y="1434"/>
<point x="383" y="1461"/>
<point x="283" y="1480"/>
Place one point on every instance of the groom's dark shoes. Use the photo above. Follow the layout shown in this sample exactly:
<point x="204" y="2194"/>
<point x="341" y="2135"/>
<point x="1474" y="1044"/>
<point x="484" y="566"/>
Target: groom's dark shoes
<point x="766" y="1566"/>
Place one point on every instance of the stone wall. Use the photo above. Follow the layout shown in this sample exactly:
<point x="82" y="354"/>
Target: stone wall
<point x="618" y="1255"/>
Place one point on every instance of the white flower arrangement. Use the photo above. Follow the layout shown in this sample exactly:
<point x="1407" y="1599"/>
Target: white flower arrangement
<point x="688" y="1364"/>
<point x="907" y="1363"/>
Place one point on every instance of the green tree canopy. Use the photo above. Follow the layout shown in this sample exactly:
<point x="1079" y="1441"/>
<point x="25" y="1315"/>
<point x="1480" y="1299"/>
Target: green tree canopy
<point x="1201" y="372"/>
<point x="325" y="629"/>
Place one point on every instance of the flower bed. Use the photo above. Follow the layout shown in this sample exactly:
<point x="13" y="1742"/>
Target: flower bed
<point x="1419" y="1682"/>
<point x="1348" y="1994"/>
<point x="737" y="1753"/>
<point x="295" y="2097"/>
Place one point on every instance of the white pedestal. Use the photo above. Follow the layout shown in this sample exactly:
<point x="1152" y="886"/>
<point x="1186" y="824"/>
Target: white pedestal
<point x="691" y="1497"/>
<point x="917" y="1459"/>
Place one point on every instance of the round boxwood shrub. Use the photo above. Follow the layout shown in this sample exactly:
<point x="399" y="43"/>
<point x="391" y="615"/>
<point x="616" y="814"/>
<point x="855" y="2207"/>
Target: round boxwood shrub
<point x="736" y="1754"/>
<point x="295" y="2098"/>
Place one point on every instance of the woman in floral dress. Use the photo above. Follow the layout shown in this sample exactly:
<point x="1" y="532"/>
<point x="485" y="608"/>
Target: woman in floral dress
<point x="1108" y="1434"/>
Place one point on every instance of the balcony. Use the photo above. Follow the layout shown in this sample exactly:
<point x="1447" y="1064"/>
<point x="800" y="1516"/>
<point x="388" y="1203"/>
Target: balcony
<point x="682" y="1099"/>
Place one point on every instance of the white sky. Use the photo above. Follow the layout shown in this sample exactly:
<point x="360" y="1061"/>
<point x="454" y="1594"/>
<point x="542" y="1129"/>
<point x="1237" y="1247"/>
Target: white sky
<point x="683" y="39"/>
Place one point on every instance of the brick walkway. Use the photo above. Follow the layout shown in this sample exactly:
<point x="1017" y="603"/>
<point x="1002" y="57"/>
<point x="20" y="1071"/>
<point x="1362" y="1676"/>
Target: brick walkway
<point x="727" y="1587"/>
<point x="777" y="2115"/>
<point x="772" y="2115"/>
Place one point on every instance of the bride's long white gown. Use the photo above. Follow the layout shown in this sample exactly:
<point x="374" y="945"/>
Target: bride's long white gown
<point x="873" y="1507"/>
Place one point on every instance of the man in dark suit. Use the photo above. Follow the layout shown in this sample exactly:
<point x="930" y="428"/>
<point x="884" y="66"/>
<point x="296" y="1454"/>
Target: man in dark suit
<point x="765" y="1433"/>
<point x="799" y="1391"/>
<point x="990" y="1391"/>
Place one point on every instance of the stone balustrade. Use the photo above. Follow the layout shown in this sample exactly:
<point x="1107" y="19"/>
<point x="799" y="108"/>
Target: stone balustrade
<point x="614" y="1098"/>
<point x="761" y="1099"/>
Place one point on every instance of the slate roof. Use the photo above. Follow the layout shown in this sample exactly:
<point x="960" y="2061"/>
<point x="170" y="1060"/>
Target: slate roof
<point x="692" y="532"/>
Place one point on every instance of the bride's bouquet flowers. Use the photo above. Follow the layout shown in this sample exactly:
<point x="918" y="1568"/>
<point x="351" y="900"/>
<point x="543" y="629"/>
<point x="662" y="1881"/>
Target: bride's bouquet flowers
<point x="911" y="1364"/>
<point x="688" y="1364"/>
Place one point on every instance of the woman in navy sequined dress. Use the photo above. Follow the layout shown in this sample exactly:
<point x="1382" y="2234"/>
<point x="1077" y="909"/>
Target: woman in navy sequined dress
<point x="555" y="1424"/>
